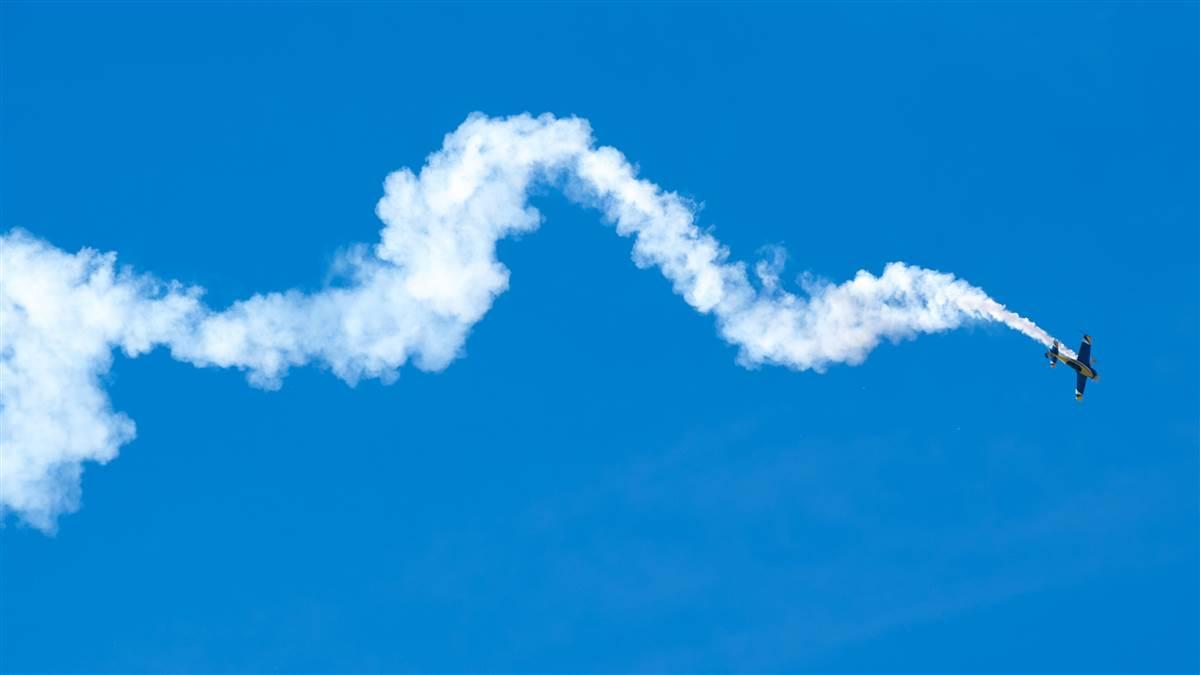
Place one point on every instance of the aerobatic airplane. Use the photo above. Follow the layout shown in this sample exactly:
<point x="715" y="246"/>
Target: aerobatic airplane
<point x="1081" y="364"/>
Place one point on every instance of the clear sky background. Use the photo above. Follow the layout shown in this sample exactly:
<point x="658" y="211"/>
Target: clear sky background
<point x="597" y="485"/>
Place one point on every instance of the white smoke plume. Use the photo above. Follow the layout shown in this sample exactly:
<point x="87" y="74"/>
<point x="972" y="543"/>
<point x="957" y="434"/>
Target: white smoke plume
<point x="413" y="296"/>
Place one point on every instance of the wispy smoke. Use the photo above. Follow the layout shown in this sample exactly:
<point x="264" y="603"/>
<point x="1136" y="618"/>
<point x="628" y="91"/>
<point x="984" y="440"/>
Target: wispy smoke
<point x="413" y="296"/>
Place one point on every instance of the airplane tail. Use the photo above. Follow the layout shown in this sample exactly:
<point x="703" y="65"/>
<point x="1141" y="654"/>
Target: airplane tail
<point x="1053" y="354"/>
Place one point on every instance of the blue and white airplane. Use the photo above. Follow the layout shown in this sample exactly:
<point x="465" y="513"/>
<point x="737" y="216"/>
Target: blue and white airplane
<point x="1081" y="364"/>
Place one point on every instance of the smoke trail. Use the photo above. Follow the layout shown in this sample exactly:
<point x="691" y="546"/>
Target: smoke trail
<point x="412" y="297"/>
<point x="61" y="315"/>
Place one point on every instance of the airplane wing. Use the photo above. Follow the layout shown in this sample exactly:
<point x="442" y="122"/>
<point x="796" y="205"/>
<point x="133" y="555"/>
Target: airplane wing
<point x="1080" y="383"/>
<point x="1085" y="352"/>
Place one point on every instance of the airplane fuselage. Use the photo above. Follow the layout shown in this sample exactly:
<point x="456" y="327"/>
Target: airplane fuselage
<point x="1079" y="367"/>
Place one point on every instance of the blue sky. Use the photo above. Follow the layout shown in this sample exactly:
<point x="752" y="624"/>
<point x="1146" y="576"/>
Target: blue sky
<point x="597" y="485"/>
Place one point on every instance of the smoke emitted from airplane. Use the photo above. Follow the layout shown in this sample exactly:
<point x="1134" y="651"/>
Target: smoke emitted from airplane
<point x="411" y="297"/>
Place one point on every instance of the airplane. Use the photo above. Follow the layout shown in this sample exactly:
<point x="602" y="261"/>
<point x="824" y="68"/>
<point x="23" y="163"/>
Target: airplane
<point x="1082" y="365"/>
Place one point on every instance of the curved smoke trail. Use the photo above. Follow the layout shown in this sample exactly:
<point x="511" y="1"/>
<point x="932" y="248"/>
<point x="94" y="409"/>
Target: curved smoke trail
<point x="413" y="296"/>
